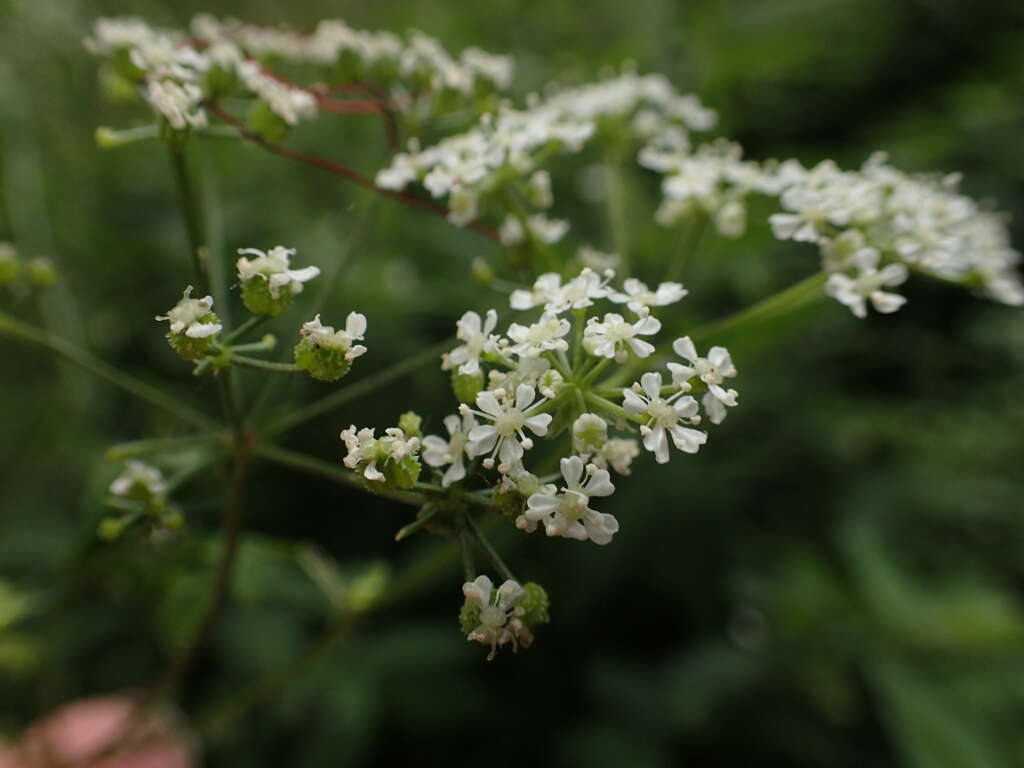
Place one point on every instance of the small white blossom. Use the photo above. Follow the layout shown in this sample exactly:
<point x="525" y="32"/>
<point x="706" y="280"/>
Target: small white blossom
<point x="137" y="474"/>
<point x="179" y="103"/>
<point x="614" y="337"/>
<point x="438" y="452"/>
<point x="548" y="231"/>
<point x="477" y="338"/>
<point x="505" y="435"/>
<point x="663" y="417"/>
<point x="544" y="335"/>
<point x="326" y="337"/>
<point x="867" y="285"/>
<point x="568" y="513"/>
<point x="364" y="451"/>
<point x="274" y="266"/>
<point x="499" y="614"/>
<point x="639" y="298"/>
<point x="186" y="317"/>
<point x="578" y="293"/>
<point x="618" y="453"/>
<point x="713" y="370"/>
<point x="589" y="433"/>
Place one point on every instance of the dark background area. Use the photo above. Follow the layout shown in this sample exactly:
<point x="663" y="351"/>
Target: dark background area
<point x="833" y="581"/>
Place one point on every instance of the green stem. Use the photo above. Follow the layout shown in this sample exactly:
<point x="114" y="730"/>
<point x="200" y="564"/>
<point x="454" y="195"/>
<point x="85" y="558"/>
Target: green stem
<point x="244" y="328"/>
<point x="190" y="213"/>
<point x="263" y="365"/>
<point x="580" y="318"/>
<point x="615" y="200"/>
<point x="24" y="332"/>
<point x="503" y="570"/>
<point x="314" y="466"/>
<point x="611" y="407"/>
<point x="356" y="389"/>
<point x="687" y="247"/>
<point x="594" y="372"/>
<point x="112" y="138"/>
<point x="158" y="445"/>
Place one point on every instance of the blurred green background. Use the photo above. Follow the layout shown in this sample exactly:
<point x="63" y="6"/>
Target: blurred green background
<point x="834" y="581"/>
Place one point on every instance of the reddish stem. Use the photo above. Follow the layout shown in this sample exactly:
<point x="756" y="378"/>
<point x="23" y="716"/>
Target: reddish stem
<point x="344" y="171"/>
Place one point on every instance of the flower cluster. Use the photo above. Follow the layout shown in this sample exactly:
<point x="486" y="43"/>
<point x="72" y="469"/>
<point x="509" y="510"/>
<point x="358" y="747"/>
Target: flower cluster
<point x="509" y="147"/>
<point x="193" y="325"/>
<point x="391" y="458"/>
<point x="535" y="381"/>
<point x="178" y="72"/>
<point x="327" y="354"/>
<point x="506" y="615"/>
<point x="268" y="281"/>
<point x="140" y="493"/>
<point x="872" y="226"/>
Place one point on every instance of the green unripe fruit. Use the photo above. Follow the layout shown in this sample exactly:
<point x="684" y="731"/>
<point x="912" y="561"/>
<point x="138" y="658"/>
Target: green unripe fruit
<point x="469" y="616"/>
<point x="467" y="386"/>
<point x="535" y="605"/>
<point x="259" y="300"/>
<point x="508" y="503"/>
<point x="402" y="473"/>
<point x="322" y="363"/>
<point x="189" y="348"/>
<point x="267" y="123"/>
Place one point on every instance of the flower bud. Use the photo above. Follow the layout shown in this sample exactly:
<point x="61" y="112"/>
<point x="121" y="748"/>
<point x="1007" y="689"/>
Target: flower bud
<point x="466" y="386"/>
<point x="402" y="473"/>
<point x="411" y="423"/>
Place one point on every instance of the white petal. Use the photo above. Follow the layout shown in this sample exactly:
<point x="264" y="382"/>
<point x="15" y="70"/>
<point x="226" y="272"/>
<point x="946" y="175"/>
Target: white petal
<point x="651" y="383"/>
<point x="685" y="349"/>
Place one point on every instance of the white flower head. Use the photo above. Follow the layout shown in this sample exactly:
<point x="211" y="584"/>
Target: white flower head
<point x="713" y="370"/>
<point x="509" y="417"/>
<point x="639" y="298"/>
<point x="568" y="513"/>
<point x="578" y="293"/>
<point x="138" y="476"/>
<point x="438" y="452"/>
<point x="179" y="103"/>
<point x="366" y="453"/>
<point x="499" y="614"/>
<point x="614" y="337"/>
<point x="192" y="317"/>
<point x="274" y="266"/>
<point x="533" y="340"/>
<point x="867" y="285"/>
<point x="326" y="337"/>
<point x="476" y="335"/>
<point x="665" y="417"/>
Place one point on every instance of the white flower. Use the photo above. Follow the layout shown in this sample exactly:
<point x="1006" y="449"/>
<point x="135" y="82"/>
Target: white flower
<point x="548" y="231"/>
<point x="663" y="416"/>
<point x="476" y="335"/>
<point x="533" y="340"/>
<point x="713" y="370"/>
<point x="325" y="336"/>
<point x="499" y="614"/>
<point x="867" y="284"/>
<point x="638" y="297"/>
<point x="509" y="418"/>
<point x="179" y="103"/>
<point x="274" y="266"/>
<point x="437" y="452"/>
<point x="548" y="290"/>
<point x="589" y="433"/>
<point x="187" y="315"/>
<point x="366" y="451"/>
<point x="137" y="474"/>
<point x="568" y="513"/>
<point x="614" y="337"/>
<point x="618" y="453"/>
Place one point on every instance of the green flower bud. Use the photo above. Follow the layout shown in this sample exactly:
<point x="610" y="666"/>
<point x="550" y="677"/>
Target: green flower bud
<point x="402" y="473"/>
<point x="10" y="266"/>
<point x="322" y="363"/>
<point x="41" y="272"/>
<point x="535" y="605"/>
<point x="111" y="528"/>
<point x="467" y="386"/>
<point x="411" y="423"/>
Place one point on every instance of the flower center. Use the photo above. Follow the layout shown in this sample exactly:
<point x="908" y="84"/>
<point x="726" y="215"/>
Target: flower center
<point x="493" y="616"/>
<point x="509" y="422"/>
<point x="662" y="412"/>
<point x="574" y="505"/>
